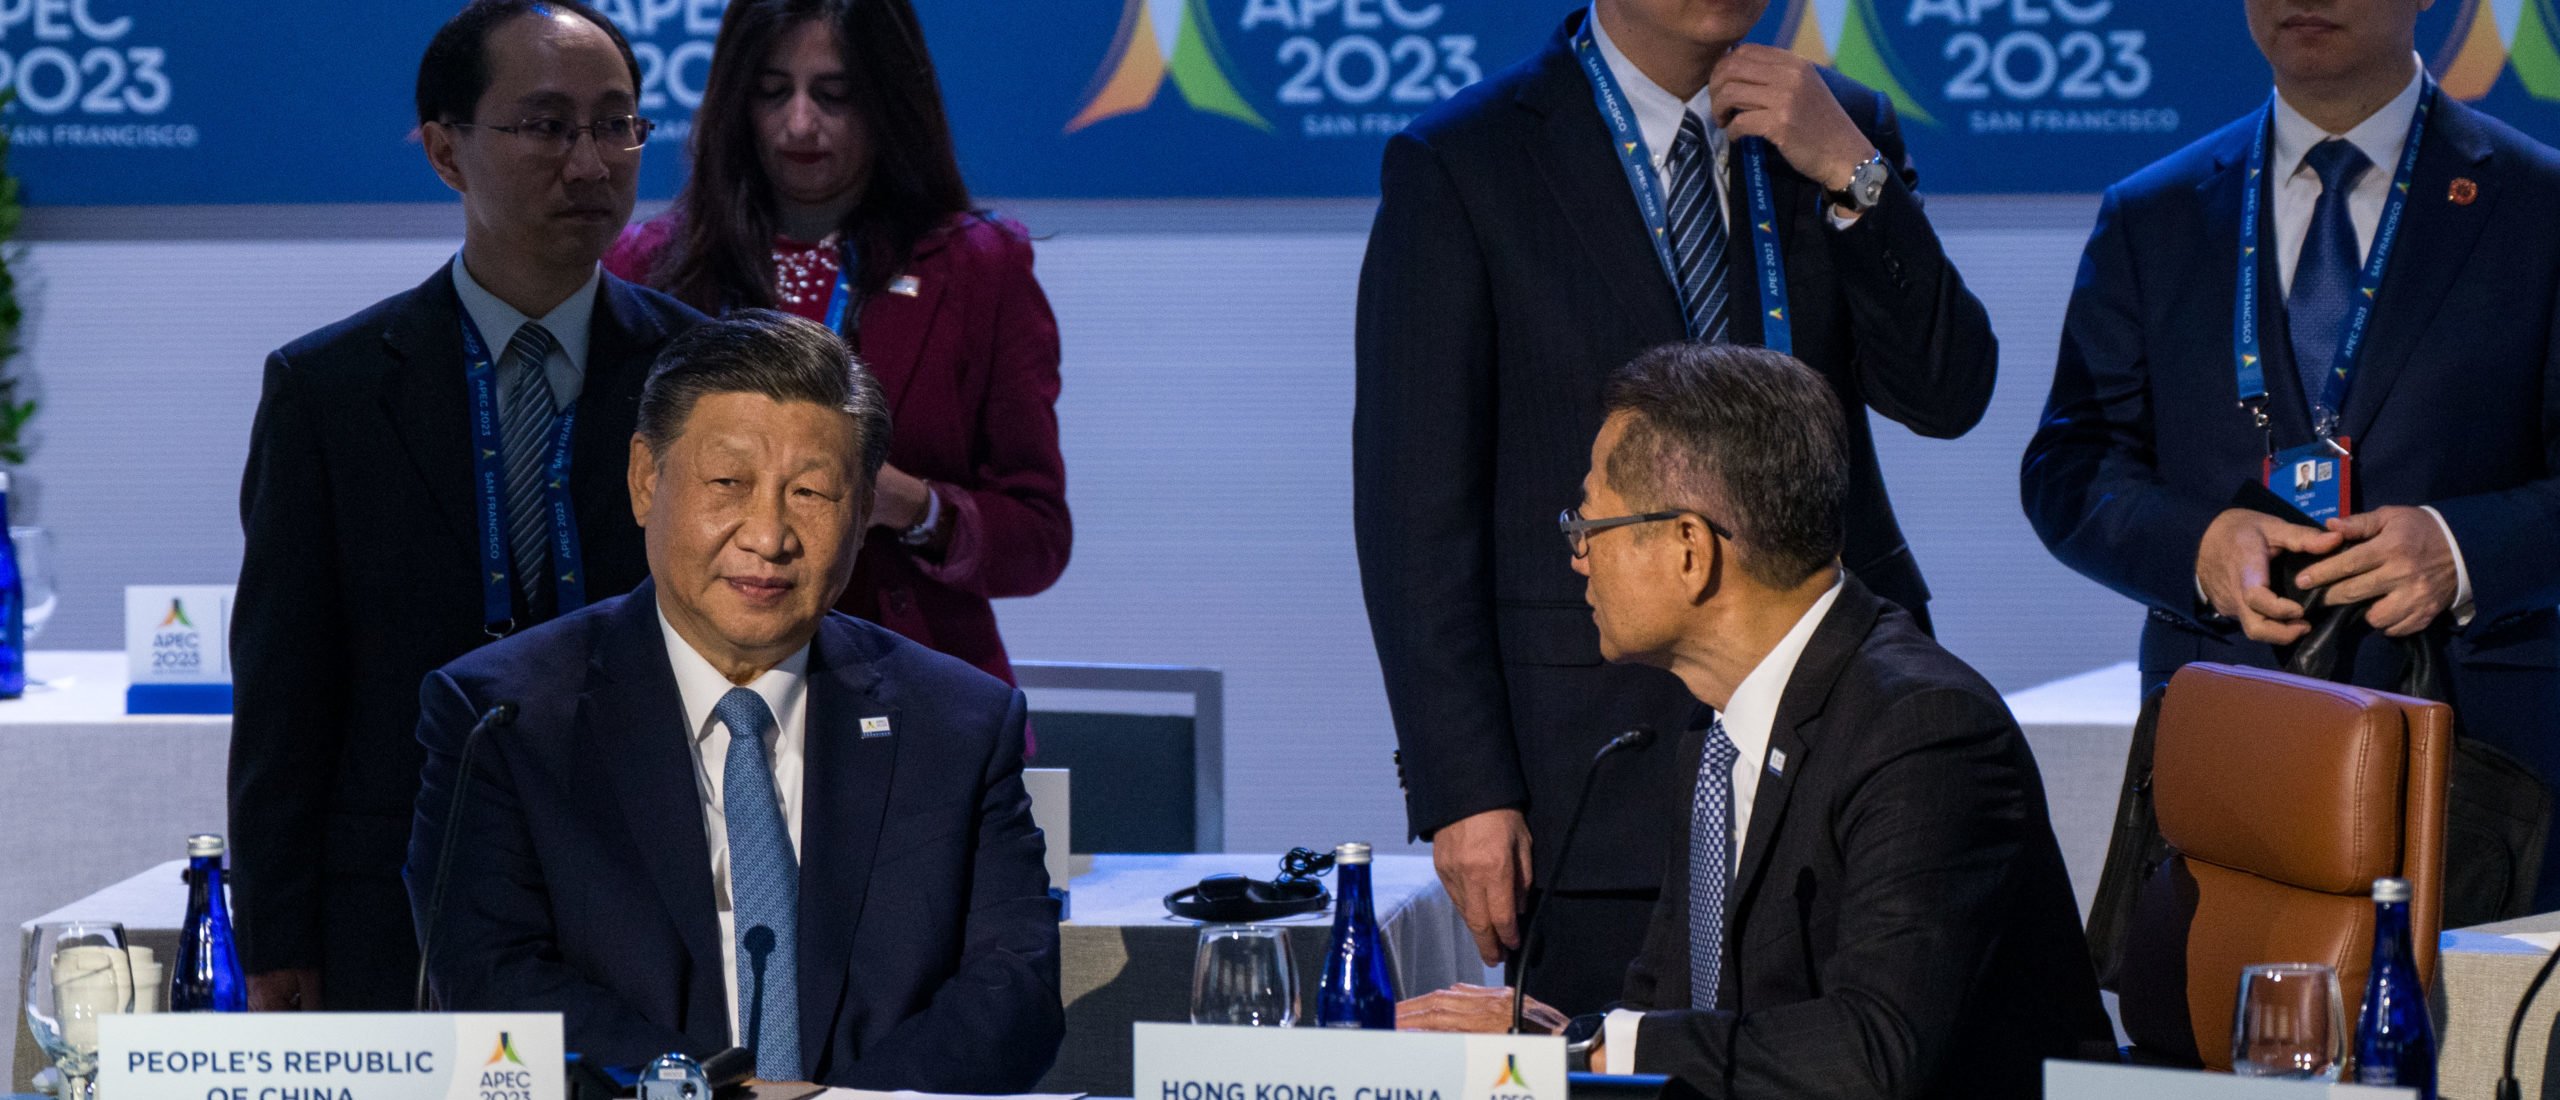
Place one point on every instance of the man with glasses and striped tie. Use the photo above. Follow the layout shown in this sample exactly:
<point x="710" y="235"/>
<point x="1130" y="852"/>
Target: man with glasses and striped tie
<point x="1645" y="177"/>
<point x="443" y="468"/>
<point x="1864" y="897"/>
<point x="722" y="814"/>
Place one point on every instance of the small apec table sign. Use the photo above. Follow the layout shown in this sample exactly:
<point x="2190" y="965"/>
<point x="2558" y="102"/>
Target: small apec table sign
<point x="1182" y="1062"/>
<point x="177" y="645"/>
<point x="331" y="1056"/>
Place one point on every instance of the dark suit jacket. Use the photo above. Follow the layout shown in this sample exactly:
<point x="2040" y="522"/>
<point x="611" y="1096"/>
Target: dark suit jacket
<point x="970" y="366"/>
<point x="1508" y="273"/>
<point x="361" y="575"/>
<point x="582" y="884"/>
<point x="2456" y="403"/>
<point x="1902" y="925"/>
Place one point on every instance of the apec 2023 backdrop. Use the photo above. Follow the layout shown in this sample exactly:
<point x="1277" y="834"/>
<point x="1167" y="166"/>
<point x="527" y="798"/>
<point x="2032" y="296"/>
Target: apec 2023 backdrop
<point x="307" y="101"/>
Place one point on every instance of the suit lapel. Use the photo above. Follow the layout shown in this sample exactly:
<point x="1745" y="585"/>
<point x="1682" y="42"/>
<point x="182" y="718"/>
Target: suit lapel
<point x="1835" y="640"/>
<point x="632" y="719"/>
<point x="894" y="325"/>
<point x="845" y="790"/>
<point x="2436" y="237"/>
<point x="622" y="343"/>
<point x="424" y="398"/>
<point x="1571" y="150"/>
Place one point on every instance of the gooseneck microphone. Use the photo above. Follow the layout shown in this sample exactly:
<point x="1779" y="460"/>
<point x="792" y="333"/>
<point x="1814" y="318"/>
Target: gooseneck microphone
<point x="2507" y="1087"/>
<point x="495" y="717"/>
<point x="1634" y="740"/>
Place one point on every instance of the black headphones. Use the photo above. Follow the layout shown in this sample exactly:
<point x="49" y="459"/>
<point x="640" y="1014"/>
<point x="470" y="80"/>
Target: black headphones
<point x="1235" y="899"/>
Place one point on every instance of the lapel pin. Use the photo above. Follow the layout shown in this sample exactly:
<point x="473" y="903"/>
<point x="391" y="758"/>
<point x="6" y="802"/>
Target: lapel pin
<point x="1777" y="761"/>
<point x="876" y="726"/>
<point x="2463" y="192"/>
<point x="905" y="286"/>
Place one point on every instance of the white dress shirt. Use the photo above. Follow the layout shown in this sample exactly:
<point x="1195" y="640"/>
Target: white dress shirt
<point x="1748" y="717"/>
<point x="2382" y="137"/>
<point x="785" y="688"/>
<point x="567" y="322"/>
<point x="1658" y="112"/>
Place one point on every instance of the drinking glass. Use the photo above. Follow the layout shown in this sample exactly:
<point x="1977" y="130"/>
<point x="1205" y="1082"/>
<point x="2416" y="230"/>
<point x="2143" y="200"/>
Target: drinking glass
<point x="2289" y="1023"/>
<point x="1243" y="974"/>
<point x="35" y="574"/>
<point x="77" y="971"/>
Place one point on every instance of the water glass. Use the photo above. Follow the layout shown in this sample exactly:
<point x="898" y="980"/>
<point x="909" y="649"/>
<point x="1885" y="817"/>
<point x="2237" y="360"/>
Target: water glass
<point x="77" y="972"/>
<point x="1244" y="975"/>
<point x="35" y="574"/>
<point x="2289" y="1023"/>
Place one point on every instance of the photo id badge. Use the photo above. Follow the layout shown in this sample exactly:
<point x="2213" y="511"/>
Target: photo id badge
<point x="2313" y="477"/>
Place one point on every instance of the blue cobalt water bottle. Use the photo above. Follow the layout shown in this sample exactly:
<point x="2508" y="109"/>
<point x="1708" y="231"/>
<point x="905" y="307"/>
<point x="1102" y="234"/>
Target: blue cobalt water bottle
<point x="207" y="976"/>
<point x="2395" y="1039"/>
<point x="1359" y="988"/>
<point x="13" y="608"/>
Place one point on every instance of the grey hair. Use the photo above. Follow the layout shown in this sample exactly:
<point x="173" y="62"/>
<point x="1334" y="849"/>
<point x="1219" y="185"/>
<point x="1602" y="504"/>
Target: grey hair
<point x="1748" y="437"/>
<point x="767" y="352"/>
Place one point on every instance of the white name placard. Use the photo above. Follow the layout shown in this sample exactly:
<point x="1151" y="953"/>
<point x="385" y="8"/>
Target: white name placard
<point x="1180" y="1062"/>
<point x="331" y="1056"/>
<point x="2097" y="1081"/>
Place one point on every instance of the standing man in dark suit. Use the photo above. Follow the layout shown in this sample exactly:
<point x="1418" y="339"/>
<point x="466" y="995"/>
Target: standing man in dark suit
<point x="2445" y="411"/>
<point x="724" y="815"/>
<point x="1864" y="896"/>
<point x="404" y="499"/>
<point x="1530" y="240"/>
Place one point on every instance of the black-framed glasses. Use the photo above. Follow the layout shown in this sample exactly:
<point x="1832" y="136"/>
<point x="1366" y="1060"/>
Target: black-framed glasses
<point x="554" y="137"/>
<point x="1578" y="531"/>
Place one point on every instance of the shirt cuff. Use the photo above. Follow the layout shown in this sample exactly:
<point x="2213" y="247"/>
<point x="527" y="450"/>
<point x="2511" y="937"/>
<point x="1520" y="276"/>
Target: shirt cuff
<point x="1618" y="1036"/>
<point x="1831" y="213"/>
<point x="2462" y="609"/>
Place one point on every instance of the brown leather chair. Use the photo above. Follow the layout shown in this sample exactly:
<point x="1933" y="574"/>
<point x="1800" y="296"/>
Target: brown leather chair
<point x="2283" y="798"/>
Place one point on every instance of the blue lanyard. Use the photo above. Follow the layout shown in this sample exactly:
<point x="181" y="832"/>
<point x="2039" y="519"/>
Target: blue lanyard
<point x="1776" y="331"/>
<point x="840" y="303"/>
<point x="2246" y="358"/>
<point x="489" y="477"/>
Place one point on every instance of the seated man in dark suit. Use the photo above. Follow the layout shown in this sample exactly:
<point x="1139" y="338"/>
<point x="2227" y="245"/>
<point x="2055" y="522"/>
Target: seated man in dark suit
<point x="724" y="815"/>
<point x="1864" y="897"/>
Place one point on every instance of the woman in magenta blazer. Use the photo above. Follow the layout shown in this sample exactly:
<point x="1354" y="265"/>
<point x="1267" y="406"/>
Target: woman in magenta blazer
<point x="824" y="184"/>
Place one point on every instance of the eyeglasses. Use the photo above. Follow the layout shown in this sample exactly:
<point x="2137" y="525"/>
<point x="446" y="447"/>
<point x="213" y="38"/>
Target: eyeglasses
<point x="1578" y="531"/>
<point x="555" y="137"/>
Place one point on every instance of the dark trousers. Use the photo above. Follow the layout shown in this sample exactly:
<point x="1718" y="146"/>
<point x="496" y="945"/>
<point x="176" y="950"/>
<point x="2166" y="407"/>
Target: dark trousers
<point x="1589" y="940"/>
<point x="368" y="944"/>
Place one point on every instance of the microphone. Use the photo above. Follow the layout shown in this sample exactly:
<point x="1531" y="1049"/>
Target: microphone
<point x="495" y="717"/>
<point x="2507" y="1087"/>
<point x="1634" y="740"/>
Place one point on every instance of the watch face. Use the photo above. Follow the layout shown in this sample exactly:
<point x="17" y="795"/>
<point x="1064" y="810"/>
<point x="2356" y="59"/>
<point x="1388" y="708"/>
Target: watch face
<point x="1868" y="185"/>
<point x="1583" y="1029"/>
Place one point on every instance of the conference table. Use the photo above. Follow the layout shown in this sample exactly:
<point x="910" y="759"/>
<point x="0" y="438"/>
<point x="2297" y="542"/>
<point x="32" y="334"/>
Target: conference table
<point x="1123" y="959"/>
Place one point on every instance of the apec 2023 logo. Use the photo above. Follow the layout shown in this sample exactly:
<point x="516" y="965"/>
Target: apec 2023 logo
<point x="1328" y="68"/>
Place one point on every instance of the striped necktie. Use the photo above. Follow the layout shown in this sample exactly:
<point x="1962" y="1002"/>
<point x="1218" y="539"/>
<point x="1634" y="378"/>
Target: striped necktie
<point x="1710" y="865"/>
<point x="1698" y="232"/>
<point x="526" y="418"/>
<point x="764" y="892"/>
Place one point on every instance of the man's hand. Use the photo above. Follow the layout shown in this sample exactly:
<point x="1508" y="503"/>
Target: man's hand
<point x="1479" y="1009"/>
<point x="2396" y="557"/>
<point x="1763" y="91"/>
<point x="1483" y="862"/>
<point x="2231" y="564"/>
<point x="897" y="499"/>
<point x="285" y="991"/>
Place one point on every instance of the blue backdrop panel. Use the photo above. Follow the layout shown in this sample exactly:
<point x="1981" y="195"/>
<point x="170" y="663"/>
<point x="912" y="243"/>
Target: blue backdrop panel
<point x="302" y="101"/>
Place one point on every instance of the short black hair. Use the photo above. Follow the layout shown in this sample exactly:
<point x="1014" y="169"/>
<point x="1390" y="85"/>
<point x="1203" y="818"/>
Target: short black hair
<point x="780" y="355"/>
<point x="454" y="74"/>
<point x="1748" y="437"/>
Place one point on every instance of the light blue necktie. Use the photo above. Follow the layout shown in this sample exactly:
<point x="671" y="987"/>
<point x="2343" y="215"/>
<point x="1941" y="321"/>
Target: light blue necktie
<point x="1697" y="231"/>
<point x="1710" y="865"/>
<point x="764" y="892"/>
<point x="2326" y="273"/>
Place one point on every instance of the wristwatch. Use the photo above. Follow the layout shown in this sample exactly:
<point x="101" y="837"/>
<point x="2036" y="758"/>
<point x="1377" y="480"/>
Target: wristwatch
<point x="922" y="532"/>
<point x="1581" y="1034"/>
<point x="1866" y="186"/>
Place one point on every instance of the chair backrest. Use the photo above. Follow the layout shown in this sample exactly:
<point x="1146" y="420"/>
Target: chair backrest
<point x="2283" y="798"/>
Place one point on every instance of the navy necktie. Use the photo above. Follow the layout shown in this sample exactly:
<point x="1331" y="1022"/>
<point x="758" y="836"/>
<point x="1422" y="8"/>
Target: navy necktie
<point x="2325" y="275"/>
<point x="764" y="892"/>
<point x="526" y="416"/>
<point x="1710" y="865"/>
<point x="1697" y="232"/>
